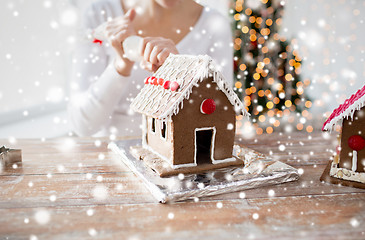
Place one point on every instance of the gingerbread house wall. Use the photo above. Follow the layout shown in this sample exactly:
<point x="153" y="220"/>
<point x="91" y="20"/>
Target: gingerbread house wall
<point x="349" y="128"/>
<point x="155" y="141"/>
<point x="190" y="118"/>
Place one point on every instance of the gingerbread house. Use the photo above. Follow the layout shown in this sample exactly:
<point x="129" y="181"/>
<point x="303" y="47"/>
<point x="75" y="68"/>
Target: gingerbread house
<point x="189" y="114"/>
<point x="349" y="162"/>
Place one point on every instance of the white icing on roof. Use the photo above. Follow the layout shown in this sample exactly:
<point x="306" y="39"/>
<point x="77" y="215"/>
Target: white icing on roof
<point x="346" y="110"/>
<point x="188" y="71"/>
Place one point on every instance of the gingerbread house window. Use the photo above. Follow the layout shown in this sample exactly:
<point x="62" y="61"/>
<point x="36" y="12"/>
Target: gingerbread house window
<point x="163" y="130"/>
<point x="153" y="125"/>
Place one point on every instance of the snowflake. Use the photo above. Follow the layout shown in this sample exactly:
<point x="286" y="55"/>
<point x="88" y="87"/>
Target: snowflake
<point x="99" y="178"/>
<point x="90" y="212"/>
<point x="33" y="237"/>
<point x="255" y="216"/>
<point x="171" y="215"/>
<point x="271" y="193"/>
<point x="42" y="217"/>
<point x="92" y="232"/>
<point x="100" y="192"/>
<point x="282" y="147"/>
<point x="101" y="156"/>
<point x="52" y="198"/>
<point x="354" y="222"/>
<point x="242" y="195"/>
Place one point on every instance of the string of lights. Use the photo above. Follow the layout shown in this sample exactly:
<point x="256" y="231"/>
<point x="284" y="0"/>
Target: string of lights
<point x="267" y="68"/>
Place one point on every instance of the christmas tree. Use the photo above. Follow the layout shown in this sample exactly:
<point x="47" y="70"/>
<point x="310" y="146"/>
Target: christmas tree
<point x="267" y="67"/>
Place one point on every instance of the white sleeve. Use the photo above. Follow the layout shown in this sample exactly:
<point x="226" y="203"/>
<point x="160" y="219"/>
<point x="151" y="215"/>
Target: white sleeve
<point x="221" y="49"/>
<point x="95" y="87"/>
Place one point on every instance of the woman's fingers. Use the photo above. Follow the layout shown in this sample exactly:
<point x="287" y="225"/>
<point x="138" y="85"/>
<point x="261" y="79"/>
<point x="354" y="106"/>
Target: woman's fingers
<point x="154" y="53"/>
<point x="131" y="14"/>
<point x="156" y="50"/>
<point x="148" y="66"/>
<point x="163" y="55"/>
<point x="119" y="29"/>
<point x="144" y="44"/>
<point x="116" y="42"/>
<point x="148" y="45"/>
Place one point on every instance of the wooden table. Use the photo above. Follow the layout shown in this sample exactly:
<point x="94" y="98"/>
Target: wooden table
<point x="75" y="188"/>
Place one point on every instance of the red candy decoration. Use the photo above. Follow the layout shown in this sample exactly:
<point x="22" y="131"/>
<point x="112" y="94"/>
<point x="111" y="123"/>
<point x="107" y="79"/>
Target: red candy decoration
<point x="152" y="79"/>
<point x="147" y="80"/>
<point x="160" y="81"/>
<point x="356" y="142"/>
<point x="174" y="86"/>
<point x="166" y="85"/>
<point x="155" y="81"/>
<point x="97" y="41"/>
<point x="207" y="106"/>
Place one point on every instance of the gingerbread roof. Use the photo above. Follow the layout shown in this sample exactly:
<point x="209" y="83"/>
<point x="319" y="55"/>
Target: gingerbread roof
<point x="163" y="94"/>
<point x="346" y="110"/>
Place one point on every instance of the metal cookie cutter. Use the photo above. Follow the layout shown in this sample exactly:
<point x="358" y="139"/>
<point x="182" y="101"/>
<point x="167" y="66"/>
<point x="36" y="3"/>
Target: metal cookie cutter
<point x="10" y="156"/>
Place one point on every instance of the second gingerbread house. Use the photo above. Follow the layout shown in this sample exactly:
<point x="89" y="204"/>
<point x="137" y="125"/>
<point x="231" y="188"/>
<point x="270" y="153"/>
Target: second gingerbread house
<point x="349" y="163"/>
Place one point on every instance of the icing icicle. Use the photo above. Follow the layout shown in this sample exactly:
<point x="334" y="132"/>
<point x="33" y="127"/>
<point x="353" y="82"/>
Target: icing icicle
<point x="354" y="160"/>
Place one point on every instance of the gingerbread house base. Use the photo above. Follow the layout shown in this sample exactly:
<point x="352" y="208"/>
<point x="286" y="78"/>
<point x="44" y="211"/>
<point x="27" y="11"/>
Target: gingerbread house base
<point x="162" y="168"/>
<point x="258" y="171"/>
<point x="326" y="177"/>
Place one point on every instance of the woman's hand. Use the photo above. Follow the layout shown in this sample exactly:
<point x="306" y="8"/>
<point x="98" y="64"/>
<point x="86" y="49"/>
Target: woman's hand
<point x="117" y="30"/>
<point x="155" y="50"/>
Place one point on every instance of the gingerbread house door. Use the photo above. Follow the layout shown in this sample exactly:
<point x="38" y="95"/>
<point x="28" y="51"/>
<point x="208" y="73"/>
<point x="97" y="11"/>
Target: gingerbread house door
<point x="204" y="145"/>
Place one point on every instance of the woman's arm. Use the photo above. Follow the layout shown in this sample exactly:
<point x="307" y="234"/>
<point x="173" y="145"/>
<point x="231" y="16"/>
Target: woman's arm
<point x="96" y="88"/>
<point x="89" y="111"/>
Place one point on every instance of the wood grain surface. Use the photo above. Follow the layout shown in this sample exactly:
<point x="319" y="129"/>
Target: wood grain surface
<point x="75" y="188"/>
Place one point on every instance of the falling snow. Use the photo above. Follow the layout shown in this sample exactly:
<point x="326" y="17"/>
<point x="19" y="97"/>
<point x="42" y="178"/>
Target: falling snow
<point x="92" y="232"/>
<point x="333" y="54"/>
<point x="171" y="215"/>
<point x="42" y="217"/>
<point x="354" y="222"/>
<point x="52" y="198"/>
<point x="282" y="147"/>
<point x="230" y="126"/>
<point x="100" y="192"/>
<point x="242" y="195"/>
<point x="90" y="212"/>
<point x="271" y="193"/>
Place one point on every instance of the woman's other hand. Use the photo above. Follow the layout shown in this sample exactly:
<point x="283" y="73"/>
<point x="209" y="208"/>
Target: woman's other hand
<point x="155" y="50"/>
<point x="117" y="31"/>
